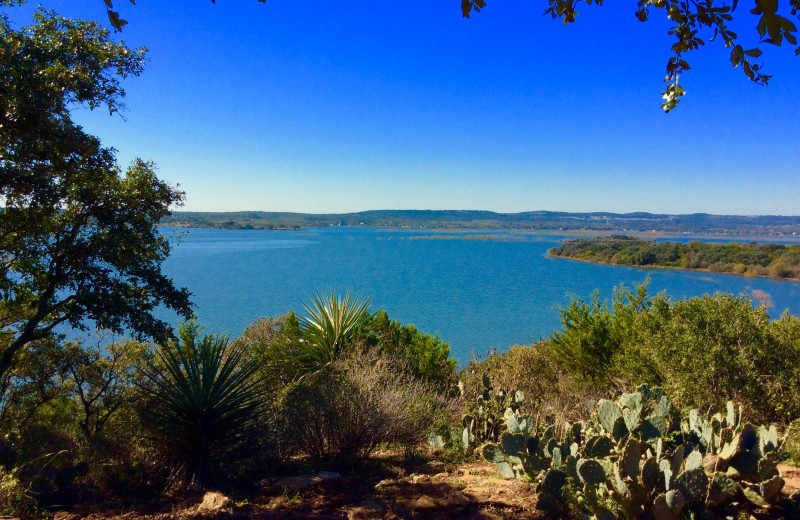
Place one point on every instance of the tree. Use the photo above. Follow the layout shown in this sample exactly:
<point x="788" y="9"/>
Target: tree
<point x="688" y="19"/>
<point x="588" y="341"/>
<point x="426" y="357"/>
<point x="102" y="380"/>
<point x="78" y="240"/>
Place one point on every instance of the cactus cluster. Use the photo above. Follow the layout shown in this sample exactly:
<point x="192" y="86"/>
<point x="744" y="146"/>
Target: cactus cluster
<point x="636" y="458"/>
<point x="490" y="414"/>
<point x="485" y="418"/>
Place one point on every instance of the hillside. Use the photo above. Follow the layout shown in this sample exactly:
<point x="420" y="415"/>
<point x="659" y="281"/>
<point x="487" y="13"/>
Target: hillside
<point x="693" y="223"/>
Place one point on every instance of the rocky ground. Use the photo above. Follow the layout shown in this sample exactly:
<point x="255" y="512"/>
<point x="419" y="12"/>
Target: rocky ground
<point x="429" y="490"/>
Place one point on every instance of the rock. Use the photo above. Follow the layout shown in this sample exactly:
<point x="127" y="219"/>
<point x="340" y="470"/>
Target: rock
<point x="213" y="504"/>
<point x="441" y="501"/>
<point x="296" y="484"/>
<point x="65" y="515"/>
<point x="431" y="467"/>
<point x="385" y="483"/>
<point x="367" y="511"/>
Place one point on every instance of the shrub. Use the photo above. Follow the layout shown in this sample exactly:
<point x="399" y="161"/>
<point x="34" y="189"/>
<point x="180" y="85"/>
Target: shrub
<point x="701" y="349"/>
<point x="201" y="398"/>
<point x="15" y="498"/>
<point x="552" y="394"/>
<point x="270" y="343"/>
<point x="426" y="357"/>
<point x="698" y="349"/>
<point x="358" y="402"/>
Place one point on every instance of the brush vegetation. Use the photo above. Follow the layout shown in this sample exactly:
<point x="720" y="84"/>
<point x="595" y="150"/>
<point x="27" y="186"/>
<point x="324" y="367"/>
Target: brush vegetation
<point x="329" y="387"/>
<point x="776" y="261"/>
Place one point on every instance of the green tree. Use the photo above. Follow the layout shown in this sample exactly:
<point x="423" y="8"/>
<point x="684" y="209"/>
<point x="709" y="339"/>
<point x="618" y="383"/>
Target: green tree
<point x="78" y="239"/>
<point x="588" y="340"/>
<point x="427" y="357"/>
<point x="102" y="380"/>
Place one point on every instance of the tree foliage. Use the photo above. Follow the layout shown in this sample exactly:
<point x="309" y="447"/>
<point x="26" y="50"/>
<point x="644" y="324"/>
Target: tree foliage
<point x="752" y="259"/>
<point x="427" y="357"/>
<point x="702" y="349"/>
<point x="692" y="24"/>
<point x="102" y="380"/>
<point x="78" y="239"/>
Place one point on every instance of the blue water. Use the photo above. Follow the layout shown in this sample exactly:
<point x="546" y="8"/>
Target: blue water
<point x="476" y="294"/>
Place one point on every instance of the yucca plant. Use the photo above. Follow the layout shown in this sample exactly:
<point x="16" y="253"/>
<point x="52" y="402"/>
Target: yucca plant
<point x="200" y="398"/>
<point x="331" y="325"/>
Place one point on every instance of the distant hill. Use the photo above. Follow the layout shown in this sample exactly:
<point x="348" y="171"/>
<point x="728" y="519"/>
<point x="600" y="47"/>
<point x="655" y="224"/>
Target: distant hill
<point x="544" y="220"/>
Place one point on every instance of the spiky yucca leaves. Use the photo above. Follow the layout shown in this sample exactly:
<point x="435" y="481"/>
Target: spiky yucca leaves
<point x="332" y="324"/>
<point x="200" y="398"/>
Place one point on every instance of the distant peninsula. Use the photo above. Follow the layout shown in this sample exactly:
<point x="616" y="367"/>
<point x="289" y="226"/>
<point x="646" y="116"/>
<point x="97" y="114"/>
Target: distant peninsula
<point x="473" y="219"/>
<point x="749" y="259"/>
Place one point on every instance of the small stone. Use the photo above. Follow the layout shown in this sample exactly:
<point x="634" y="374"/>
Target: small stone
<point x="65" y="515"/>
<point x="295" y="484"/>
<point x="385" y="483"/>
<point x="367" y="511"/>
<point x="213" y="503"/>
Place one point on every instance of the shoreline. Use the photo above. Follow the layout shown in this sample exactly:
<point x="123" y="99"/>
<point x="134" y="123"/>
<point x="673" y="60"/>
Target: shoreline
<point x="596" y="233"/>
<point x="673" y="268"/>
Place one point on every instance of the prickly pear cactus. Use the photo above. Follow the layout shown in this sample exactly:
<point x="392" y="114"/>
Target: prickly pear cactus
<point x="635" y="458"/>
<point x="490" y="414"/>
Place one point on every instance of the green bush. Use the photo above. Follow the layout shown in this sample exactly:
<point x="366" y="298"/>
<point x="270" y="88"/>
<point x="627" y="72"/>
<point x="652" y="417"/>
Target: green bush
<point x="270" y="343"/>
<point x="427" y="357"/>
<point x="699" y="350"/>
<point x="15" y="498"/>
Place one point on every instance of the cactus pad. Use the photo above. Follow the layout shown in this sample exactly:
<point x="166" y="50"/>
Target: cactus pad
<point x="493" y="454"/>
<point x="629" y="461"/>
<point x="513" y="444"/>
<point x="633" y="401"/>
<point x="692" y="483"/>
<point x="653" y="428"/>
<point x="607" y="413"/>
<point x="693" y="461"/>
<point x="591" y="471"/>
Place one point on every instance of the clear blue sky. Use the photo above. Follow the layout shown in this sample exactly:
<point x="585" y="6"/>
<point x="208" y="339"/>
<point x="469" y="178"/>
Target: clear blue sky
<point x="348" y="106"/>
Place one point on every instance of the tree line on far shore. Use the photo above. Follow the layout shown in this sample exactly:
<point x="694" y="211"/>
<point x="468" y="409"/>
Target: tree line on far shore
<point x="776" y="261"/>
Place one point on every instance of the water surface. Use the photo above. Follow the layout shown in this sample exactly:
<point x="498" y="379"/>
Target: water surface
<point x="478" y="294"/>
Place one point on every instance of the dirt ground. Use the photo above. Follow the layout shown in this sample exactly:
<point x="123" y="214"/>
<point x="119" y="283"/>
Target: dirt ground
<point x="430" y="490"/>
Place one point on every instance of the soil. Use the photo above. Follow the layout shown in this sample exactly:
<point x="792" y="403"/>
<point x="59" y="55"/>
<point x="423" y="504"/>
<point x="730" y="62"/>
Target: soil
<point x="387" y="490"/>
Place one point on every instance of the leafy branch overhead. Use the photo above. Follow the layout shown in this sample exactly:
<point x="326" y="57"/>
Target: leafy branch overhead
<point x="689" y="18"/>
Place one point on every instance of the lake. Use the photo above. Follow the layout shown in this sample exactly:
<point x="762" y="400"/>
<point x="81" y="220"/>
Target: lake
<point x="477" y="293"/>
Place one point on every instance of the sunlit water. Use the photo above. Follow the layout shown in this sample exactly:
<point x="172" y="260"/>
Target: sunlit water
<point x="477" y="294"/>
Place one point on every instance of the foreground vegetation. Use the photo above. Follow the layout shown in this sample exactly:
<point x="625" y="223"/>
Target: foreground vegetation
<point x="752" y="259"/>
<point x="128" y="421"/>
